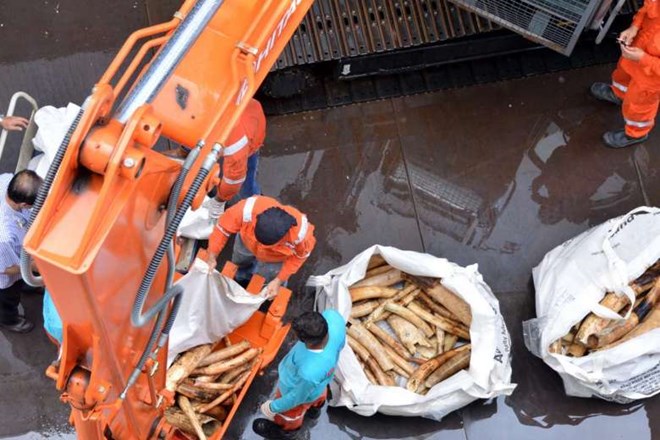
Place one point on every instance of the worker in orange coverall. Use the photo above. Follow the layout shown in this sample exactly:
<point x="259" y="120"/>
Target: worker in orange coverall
<point x="273" y="240"/>
<point x="240" y="160"/>
<point x="636" y="80"/>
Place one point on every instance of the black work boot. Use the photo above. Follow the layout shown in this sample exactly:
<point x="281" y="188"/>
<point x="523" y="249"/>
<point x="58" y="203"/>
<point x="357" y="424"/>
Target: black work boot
<point x="619" y="139"/>
<point x="272" y="430"/>
<point x="22" y="325"/>
<point x="603" y="92"/>
<point x="314" y="412"/>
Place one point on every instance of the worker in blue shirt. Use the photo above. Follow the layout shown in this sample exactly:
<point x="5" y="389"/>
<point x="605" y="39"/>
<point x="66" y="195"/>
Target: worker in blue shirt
<point x="304" y="374"/>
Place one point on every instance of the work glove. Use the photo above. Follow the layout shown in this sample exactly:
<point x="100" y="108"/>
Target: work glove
<point x="212" y="261"/>
<point x="273" y="288"/>
<point x="216" y="208"/>
<point x="265" y="409"/>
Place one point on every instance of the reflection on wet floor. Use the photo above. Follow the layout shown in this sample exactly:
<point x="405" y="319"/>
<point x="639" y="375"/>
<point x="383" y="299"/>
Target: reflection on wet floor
<point x="394" y="172"/>
<point x="499" y="189"/>
<point x="488" y="178"/>
<point x="495" y="175"/>
<point x="30" y="401"/>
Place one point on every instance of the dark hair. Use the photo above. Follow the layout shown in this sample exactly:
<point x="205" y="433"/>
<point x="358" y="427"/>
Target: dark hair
<point x="23" y="187"/>
<point x="310" y="327"/>
<point x="272" y="225"/>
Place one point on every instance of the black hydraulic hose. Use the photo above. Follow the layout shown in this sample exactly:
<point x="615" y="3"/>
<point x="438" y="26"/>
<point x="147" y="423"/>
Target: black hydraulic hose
<point x="159" y="329"/>
<point x="26" y="262"/>
<point x="172" y="204"/>
<point x="165" y="334"/>
<point x="171" y="208"/>
<point x="140" y="318"/>
<point x="158" y="308"/>
<point x="153" y="338"/>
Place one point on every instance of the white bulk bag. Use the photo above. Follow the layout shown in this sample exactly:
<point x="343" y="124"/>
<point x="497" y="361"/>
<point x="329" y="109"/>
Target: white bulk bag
<point x="489" y="374"/>
<point x="212" y="307"/>
<point x="197" y="224"/>
<point x="571" y="281"/>
<point x="52" y="123"/>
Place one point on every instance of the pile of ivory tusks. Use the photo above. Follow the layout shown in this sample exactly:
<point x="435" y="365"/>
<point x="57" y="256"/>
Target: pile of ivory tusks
<point x="206" y="385"/>
<point x="407" y="330"/>
<point x="595" y="333"/>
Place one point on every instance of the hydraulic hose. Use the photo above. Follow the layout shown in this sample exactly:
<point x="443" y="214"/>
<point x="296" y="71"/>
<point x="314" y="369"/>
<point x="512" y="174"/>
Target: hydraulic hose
<point x="171" y="209"/>
<point x="140" y="318"/>
<point x="174" y="198"/>
<point x="26" y="262"/>
<point x="158" y="328"/>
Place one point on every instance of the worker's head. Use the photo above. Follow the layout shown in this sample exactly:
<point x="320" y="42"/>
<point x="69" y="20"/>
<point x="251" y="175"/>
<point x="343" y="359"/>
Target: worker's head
<point x="272" y="225"/>
<point x="23" y="189"/>
<point x="311" y="328"/>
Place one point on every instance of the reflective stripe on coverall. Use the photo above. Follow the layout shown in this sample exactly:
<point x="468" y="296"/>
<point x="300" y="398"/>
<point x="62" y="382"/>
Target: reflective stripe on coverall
<point x="638" y="83"/>
<point x="245" y="140"/>
<point x="304" y="374"/>
<point x="241" y="218"/>
<point x="293" y="419"/>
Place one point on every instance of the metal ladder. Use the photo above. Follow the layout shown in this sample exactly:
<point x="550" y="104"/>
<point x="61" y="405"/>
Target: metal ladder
<point x="27" y="148"/>
<point x="602" y="21"/>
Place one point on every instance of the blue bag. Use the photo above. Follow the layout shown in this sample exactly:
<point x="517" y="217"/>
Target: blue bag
<point x="52" y="321"/>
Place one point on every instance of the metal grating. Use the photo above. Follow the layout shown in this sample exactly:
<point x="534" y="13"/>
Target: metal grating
<point x="336" y="29"/>
<point x="328" y="92"/>
<point x="554" y="23"/>
<point x="340" y="29"/>
<point x="455" y="209"/>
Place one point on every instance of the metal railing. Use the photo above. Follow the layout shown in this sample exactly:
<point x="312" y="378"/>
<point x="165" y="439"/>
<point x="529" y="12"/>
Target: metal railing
<point x="27" y="148"/>
<point x="604" y="18"/>
<point x="556" y="24"/>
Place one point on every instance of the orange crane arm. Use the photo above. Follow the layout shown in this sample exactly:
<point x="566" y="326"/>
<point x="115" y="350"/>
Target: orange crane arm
<point x="102" y="239"/>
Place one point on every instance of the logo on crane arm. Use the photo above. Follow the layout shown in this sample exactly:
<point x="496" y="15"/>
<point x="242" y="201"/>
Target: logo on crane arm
<point x="242" y="93"/>
<point x="277" y="33"/>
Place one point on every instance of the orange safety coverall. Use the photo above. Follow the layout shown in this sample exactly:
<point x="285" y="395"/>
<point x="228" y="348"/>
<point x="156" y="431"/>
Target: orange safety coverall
<point x="638" y="83"/>
<point x="293" y="419"/>
<point x="246" y="139"/>
<point x="292" y="250"/>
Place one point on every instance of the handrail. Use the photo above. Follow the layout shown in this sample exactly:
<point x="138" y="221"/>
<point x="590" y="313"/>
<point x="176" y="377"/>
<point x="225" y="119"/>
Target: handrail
<point x="606" y="24"/>
<point x="26" y="145"/>
<point x="123" y="53"/>
<point x="168" y="58"/>
<point x="132" y="40"/>
<point x="136" y="62"/>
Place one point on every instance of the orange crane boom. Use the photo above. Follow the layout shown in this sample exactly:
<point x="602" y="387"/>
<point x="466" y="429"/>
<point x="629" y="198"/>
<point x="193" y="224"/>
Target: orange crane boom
<point x="102" y="240"/>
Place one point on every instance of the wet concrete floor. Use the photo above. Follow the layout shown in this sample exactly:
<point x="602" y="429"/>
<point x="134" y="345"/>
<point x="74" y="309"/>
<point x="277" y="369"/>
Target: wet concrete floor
<point x="496" y="175"/>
